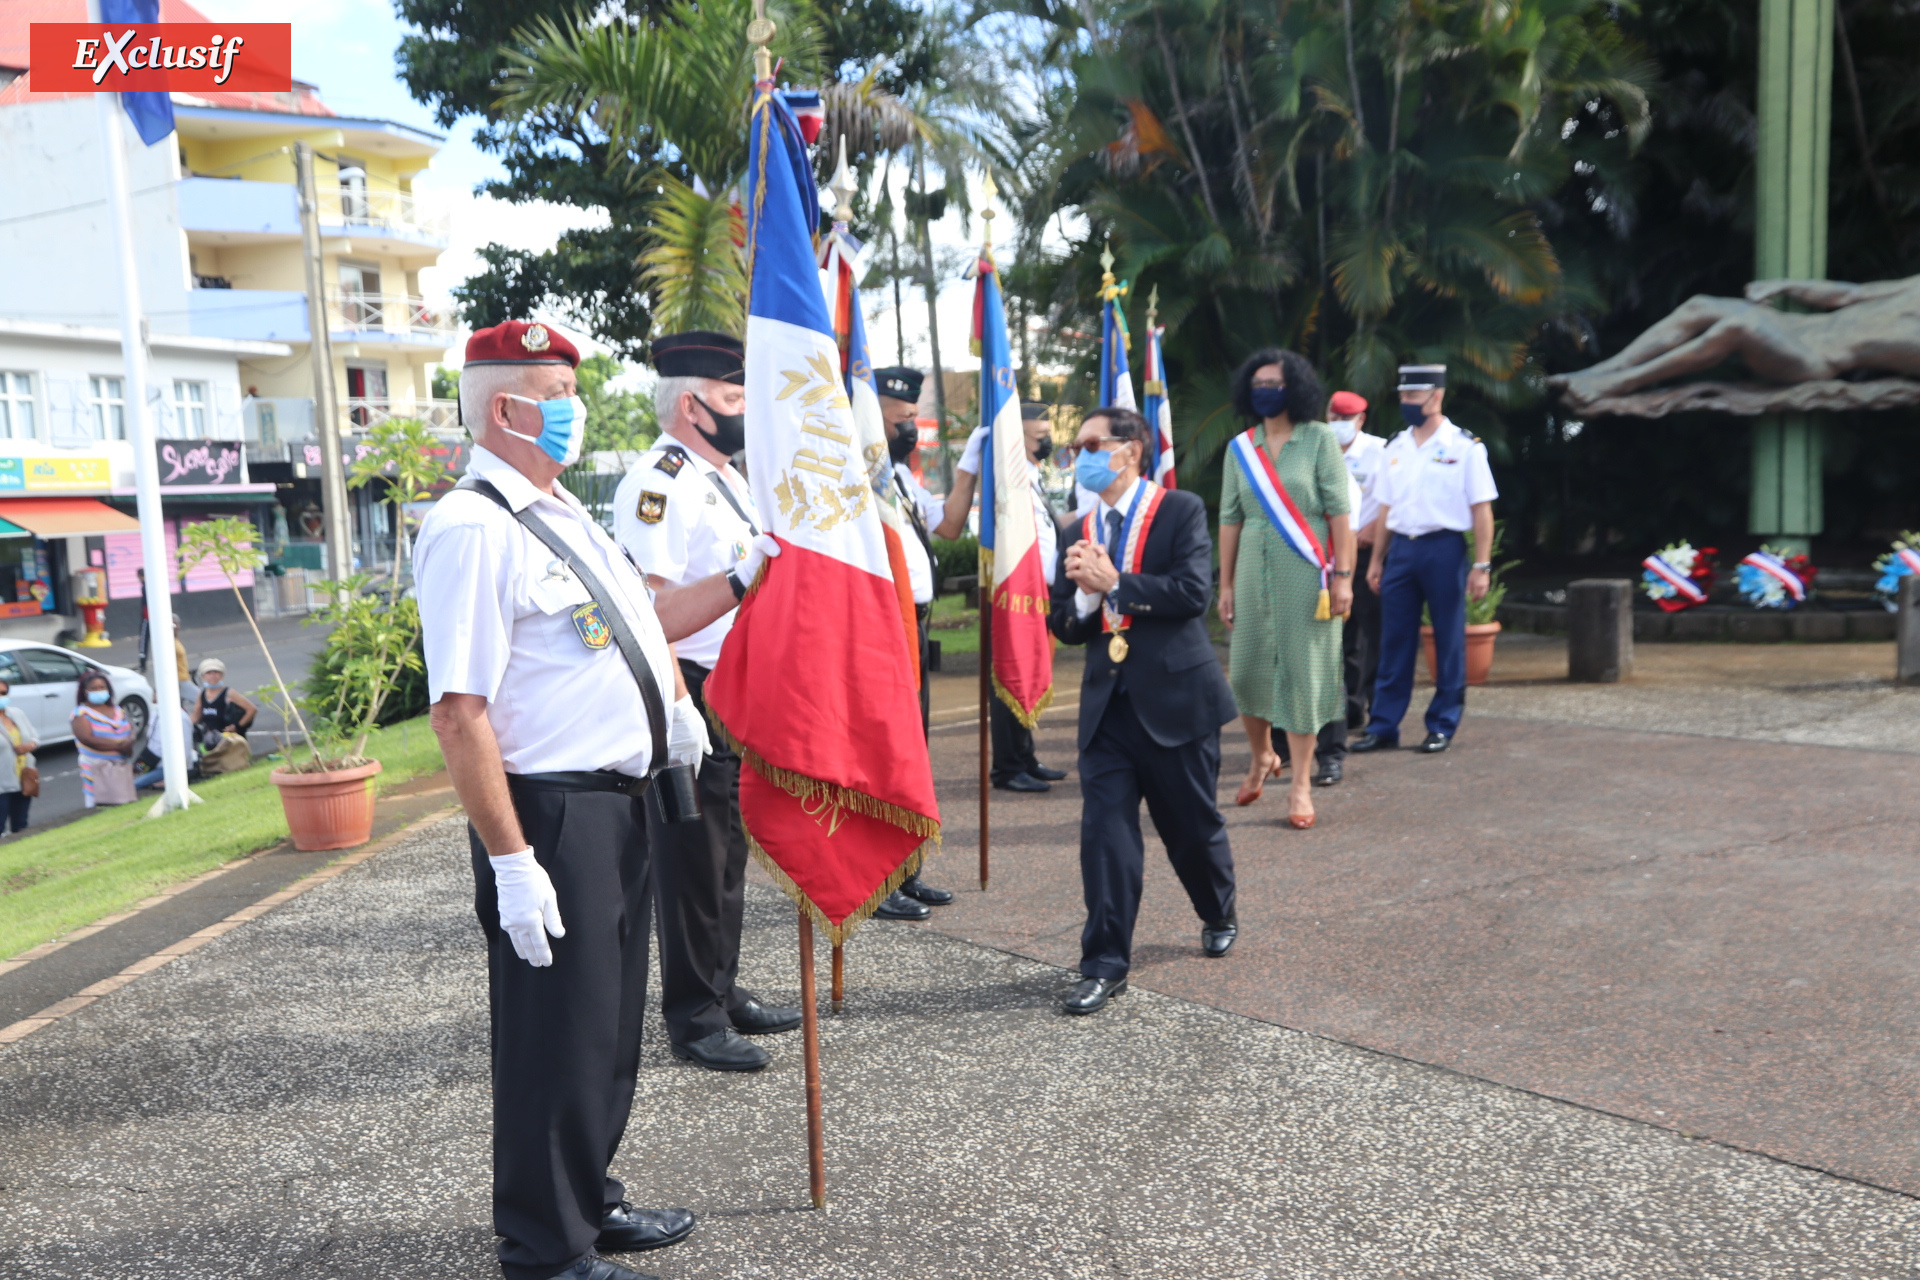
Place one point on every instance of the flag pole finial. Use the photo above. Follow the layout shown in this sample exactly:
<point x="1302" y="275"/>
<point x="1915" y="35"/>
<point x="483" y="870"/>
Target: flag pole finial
<point x="1109" y="290"/>
<point x="990" y="191"/>
<point x="760" y="35"/>
<point x="1153" y="306"/>
<point x="842" y="186"/>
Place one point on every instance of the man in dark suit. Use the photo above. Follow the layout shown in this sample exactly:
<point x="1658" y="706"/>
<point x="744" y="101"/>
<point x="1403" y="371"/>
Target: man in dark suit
<point x="1151" y="702"/>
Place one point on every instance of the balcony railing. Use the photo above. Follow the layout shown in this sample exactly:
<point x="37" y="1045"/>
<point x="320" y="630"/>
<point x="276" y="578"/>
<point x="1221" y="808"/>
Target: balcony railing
<point x="387" y="313"/>
<point x="439" y="415"/>
<point x="359" y="206"/>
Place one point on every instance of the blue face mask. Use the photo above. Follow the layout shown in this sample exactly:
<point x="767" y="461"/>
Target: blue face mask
<point x="1094" y="470"/>
<point x="1415" y="414"/>
<point x="98" y="697"/>
<point x="5" y="702"/>
<point x="563" y="426"/>
<point x="1269" y="402"/>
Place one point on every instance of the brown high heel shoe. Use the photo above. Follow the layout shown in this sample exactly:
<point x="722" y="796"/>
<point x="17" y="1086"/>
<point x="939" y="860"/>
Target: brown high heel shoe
<point x="1299" y="821"/>
<point x="1251" y="791"/>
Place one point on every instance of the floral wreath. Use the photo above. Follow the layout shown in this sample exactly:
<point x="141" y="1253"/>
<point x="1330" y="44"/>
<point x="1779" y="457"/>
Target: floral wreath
<point x="1679" y="577"/>
<point x="1776" y="577"/>
<point x="1896" y="564"/>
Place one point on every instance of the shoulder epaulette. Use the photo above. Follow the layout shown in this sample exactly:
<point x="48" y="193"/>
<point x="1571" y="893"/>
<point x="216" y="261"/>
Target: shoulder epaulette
<point x="671" y="460"/>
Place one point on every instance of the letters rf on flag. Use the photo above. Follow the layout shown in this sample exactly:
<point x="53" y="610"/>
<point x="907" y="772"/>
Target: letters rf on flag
<point x="161" y="57"/>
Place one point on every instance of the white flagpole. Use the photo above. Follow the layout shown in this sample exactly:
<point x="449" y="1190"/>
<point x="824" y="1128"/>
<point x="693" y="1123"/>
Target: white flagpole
<point x="153" y="546"/>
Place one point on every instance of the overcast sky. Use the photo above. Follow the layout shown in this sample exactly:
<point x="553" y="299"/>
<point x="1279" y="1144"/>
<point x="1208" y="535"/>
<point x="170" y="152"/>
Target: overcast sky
<point x="346" y="47"/>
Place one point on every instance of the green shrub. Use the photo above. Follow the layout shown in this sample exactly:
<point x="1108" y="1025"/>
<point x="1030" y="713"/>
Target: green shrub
<point x="334" y="687"/>
<point x="956" y="558"/>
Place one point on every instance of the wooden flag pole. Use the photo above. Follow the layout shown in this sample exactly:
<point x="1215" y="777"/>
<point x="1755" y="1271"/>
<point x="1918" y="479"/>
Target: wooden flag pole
<point x="839" y="973"/>
<point x="810" y="1037"/>
<point x="986" y="715"/>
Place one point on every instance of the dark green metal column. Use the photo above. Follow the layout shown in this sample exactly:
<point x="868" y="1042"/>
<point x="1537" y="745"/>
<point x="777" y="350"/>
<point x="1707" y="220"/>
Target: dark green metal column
<point x="1795" y="103"/>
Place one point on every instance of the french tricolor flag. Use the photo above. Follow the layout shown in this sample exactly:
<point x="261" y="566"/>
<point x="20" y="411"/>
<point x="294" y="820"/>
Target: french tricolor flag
<point x="815" y="684"/>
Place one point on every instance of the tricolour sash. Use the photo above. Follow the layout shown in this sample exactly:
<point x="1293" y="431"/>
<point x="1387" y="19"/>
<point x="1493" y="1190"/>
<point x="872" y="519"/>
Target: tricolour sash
<point x="1768" y="563"/>
<point x="1287" y="520"/>
<point x="1679" y="581"/>
<point x="1133" y="542"/>
<point x="1909" y="557"/>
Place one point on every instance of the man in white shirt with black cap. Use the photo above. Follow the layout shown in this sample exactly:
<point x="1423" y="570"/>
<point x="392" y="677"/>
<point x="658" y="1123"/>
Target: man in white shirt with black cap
<point x="551" y="680"/>
<point x="683" y="513"/>
<point x="1434" y="485"/>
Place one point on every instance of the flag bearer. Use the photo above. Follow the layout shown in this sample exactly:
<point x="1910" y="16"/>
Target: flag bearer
<point x="1014" y="766"/>
<point x="542" y="669"/>
<point x="1434" y="485"/>
<point x="683" y="513"/>
<point x="899" y="394"/>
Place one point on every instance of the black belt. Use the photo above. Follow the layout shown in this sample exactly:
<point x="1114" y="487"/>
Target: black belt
<point x="1436" y="533"/>
<point x="583" y="780"/>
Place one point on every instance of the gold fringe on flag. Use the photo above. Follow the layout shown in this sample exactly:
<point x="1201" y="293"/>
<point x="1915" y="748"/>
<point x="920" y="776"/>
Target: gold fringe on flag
<point x="1028" y="719"/>
<point x="837" y="934"/>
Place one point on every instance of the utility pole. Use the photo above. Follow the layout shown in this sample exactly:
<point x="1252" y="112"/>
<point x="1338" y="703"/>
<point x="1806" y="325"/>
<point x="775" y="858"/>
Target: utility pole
<point x="336" y="516"/>
<point x="932" y="288"/>
<point x="164" y="717"/>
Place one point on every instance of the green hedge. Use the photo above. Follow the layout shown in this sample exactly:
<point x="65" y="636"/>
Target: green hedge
<point x="956" y="558"/>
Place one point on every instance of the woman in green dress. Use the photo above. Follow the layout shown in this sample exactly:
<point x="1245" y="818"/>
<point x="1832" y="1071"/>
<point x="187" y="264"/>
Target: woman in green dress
<point x="1285" y="666"/>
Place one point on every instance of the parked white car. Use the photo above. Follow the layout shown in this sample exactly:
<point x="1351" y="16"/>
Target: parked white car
<point x="46" y="683"/>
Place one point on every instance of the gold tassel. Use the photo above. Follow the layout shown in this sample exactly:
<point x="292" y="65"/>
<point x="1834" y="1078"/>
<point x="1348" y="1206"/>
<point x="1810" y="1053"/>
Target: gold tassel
<point x="1323" y="611"/>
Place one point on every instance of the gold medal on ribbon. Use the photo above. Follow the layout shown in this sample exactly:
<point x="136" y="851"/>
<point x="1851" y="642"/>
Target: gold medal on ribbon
<point x="1117" y="646"/>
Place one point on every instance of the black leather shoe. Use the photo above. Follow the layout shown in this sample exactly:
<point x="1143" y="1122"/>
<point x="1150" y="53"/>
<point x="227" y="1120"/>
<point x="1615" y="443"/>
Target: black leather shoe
<point x="592" y="1268"/>
<point x="1090" y="995"/>
<point x="755" y="1019"/>
<point x="899" y="906"/>
<point x="1329" y="773"/>
<point x="1435" y="743"/>
<point x="1373" y="742"/>
<point x="724" y="1050"/>
<point x="631" y="1230"/>
<point x="1217" y="939"/>
<point x="1022" y="782"/>
<point x="920" y="891"/>
<point x="1045" y="774"/>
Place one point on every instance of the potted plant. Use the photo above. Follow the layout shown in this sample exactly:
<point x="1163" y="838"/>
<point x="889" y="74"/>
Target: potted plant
<point x="1482" y="626"/>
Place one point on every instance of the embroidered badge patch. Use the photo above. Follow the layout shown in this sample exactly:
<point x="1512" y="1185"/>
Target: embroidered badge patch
<point x="653" y="507"/>
<point x="535" y="338"/>
<point x="591" y="622"/>
<point x="670" y="462"/>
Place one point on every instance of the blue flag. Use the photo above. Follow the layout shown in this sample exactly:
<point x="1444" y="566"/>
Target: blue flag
<point x="151" y="113"/>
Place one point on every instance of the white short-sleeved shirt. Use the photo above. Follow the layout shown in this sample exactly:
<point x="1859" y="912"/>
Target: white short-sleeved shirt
<point x="1046" y="531"/>
<point x="1363" y="459"/>
<point x="928" y="509"/>
<point x="1433" y="486"/>
<point x="497" y="613"/>
<point x="671" y="515"/>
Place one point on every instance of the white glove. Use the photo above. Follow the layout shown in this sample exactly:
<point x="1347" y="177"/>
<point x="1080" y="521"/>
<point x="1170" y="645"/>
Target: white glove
<point x="687" y="741"/>
<point x="759" y="551"/>
<point x="970" y="456"/>
<point x="529" y="908"/>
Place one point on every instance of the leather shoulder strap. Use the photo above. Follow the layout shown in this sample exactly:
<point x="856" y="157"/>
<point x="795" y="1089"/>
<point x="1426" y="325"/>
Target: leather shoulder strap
<point x="726" y="491"/>
<point x="623" y="636"/>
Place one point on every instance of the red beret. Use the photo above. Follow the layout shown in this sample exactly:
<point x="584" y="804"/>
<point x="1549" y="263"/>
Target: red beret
<point x="1345" y="404"/>
<point x="517" y="342"/>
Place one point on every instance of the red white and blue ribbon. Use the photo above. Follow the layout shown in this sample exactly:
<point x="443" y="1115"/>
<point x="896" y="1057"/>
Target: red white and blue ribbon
<point x="1910" y="558"/>
<point x="1133" y="540"/>
<point x="1287" y="520"/>
<point x="1658" y="566"/>
<point x="1774" y="566"/>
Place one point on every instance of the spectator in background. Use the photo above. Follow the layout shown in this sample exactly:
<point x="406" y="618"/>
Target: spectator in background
<point x="104" y="739"/>
<point x="179" y="653"/>
<point x="17" y="745"/>
<point x="216" y="708"/>
<point x="146" y="624"/>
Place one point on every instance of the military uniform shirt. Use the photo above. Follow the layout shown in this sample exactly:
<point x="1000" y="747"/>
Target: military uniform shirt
<point x="671" y="516"/>
<point x="1434" y="486"/>
<point x="501" y="616"/>
<point x="1363" y="458"/>
<point x="928" y="508"/>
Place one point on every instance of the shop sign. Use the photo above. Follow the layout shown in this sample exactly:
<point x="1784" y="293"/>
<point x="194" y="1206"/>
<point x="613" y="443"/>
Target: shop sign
<point x="200" y="462"/>
<point x="453" y="454"/>
<point x="54" y="473"/>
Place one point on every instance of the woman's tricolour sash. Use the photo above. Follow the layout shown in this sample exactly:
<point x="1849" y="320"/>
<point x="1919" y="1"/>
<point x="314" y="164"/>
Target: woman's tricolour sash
<point x="1285" y="515"/>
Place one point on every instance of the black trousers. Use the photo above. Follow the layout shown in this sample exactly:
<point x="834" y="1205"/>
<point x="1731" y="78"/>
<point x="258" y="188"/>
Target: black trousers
<point x="1360" y="659"/>
<point x="924" y="612"/>
<point x="1119" y="768"/>
<point x="566" y="1038"/>
<point x="700" y="883"/>
<point x="1012" y="742"/>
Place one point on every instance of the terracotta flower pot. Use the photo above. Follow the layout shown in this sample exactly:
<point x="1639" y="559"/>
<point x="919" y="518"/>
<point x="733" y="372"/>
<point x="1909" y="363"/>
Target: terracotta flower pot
<point x="1479" y="650"/>
<point x="328" y="810"/>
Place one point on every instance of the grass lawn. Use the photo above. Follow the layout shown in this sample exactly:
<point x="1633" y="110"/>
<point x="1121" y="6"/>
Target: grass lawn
<point x="955" y="626"/>
<point x="71" y="875"/>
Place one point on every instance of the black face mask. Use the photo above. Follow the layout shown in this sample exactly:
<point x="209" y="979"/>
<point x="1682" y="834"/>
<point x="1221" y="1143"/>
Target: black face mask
<point x="904" y="440"/>
<point x="1043" y="449"/>
<point x="729" y="434"/>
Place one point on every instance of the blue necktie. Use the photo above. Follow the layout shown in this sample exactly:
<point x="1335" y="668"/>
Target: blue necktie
<point x="1113" y="551"/>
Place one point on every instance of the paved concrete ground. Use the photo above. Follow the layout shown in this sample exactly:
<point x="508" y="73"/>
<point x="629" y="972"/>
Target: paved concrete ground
<point x="306" y="1096"/>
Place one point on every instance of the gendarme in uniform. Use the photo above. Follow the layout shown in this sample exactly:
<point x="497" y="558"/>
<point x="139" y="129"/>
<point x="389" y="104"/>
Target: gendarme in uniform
<point x="550" y="742"/>
<point x="683" y="516"/>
